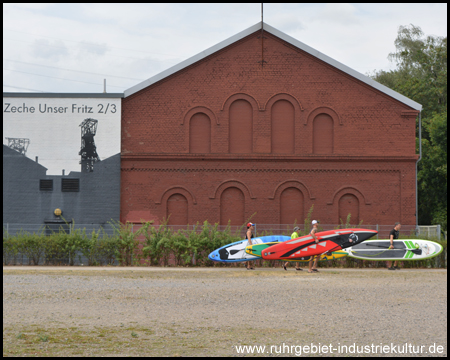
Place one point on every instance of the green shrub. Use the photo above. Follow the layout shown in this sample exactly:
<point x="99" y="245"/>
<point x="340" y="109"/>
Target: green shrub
<point x="127" y="243"/>
<point x="12" y="247"/>
<point x="156" y="245"/>
<point x="32" y="246"/>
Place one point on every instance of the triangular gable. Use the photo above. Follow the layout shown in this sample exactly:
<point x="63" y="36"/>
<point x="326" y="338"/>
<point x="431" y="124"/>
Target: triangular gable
<point x="11" y="153"/>
<point x="288" y="39"/>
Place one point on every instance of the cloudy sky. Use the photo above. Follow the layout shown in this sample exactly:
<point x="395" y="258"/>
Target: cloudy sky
<point x="73" y="47"/>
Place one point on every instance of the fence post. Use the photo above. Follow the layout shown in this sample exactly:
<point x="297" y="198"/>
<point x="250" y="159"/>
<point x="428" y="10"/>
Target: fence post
<point x="438" y="229"/>
<point x="131" y="255"/>
<point x="377" y="231"/>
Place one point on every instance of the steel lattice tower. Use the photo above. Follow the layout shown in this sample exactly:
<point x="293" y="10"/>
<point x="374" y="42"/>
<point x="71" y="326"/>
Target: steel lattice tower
<point x="18" y="144"/>
<point x="88" y="150"/>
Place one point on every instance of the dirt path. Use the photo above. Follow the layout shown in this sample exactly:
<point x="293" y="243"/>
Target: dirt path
<point x="209" y="311"/>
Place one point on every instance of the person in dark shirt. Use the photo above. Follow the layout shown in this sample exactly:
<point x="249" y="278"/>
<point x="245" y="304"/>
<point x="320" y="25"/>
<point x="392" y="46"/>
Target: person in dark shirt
<point x="394" y="235"/>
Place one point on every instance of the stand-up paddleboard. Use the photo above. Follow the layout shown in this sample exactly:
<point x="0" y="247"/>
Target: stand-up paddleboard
<point x="332" y="240"/>
<point x="256" y="250"/>
<point x="235" y="252"/>
<point x="407" y="249"/>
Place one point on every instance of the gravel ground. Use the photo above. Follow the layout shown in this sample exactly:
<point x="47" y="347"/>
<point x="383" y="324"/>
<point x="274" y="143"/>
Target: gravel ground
<point x="209" y="311"/>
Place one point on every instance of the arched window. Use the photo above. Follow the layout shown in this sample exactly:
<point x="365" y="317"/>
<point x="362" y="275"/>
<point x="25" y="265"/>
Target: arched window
<point x="283" y="127"/>
<point x="323" y="134"/>
<point x="200" y="134"/>
<point x="349" y="204"/>
<point x="232" y="206"/>
<point x="177" y="208"/>
<point x="291" y="206"/>
<point x="241" y="127"/>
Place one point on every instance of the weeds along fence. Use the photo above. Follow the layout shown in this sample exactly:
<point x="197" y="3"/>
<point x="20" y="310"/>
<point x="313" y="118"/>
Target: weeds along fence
<point x="166" y="245"/>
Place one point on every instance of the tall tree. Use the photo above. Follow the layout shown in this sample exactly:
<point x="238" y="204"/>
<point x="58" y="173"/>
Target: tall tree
<point x="421" y="75"/>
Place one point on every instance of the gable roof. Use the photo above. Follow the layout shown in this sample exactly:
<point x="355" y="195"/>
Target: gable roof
<point x="288" y="39"/>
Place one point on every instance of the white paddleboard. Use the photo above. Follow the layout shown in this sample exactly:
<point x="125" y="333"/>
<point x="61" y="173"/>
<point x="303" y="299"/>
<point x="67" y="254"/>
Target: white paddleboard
<point x="404" y="249"/>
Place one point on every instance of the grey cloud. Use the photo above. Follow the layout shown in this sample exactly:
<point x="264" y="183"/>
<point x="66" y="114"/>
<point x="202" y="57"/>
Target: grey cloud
<point x="93" y="48"/>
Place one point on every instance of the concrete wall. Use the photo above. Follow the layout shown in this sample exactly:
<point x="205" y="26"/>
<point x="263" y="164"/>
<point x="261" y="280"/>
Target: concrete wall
<point x="97" y="201"/>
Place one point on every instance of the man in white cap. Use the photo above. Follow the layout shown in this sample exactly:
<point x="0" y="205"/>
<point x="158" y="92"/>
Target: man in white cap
<point x="314" y="259"/>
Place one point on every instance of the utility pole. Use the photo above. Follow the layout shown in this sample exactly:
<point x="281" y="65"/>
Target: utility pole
<point x="262" y="36"/>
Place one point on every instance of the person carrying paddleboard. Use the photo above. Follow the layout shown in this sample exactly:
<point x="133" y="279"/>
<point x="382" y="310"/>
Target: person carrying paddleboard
<point x="294" y="235"/>
<point x="394" y="235"/>
<point x="314" y="259"/>
<point x="250" y="228"/>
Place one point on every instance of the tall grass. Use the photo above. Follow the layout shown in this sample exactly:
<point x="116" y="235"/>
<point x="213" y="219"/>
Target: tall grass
<point x="152" y="245"/>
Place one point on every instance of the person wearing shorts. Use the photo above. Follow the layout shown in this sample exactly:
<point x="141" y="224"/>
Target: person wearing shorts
<point x="294" y="235"/>
<point x="249" y="236"/>
<point x="314" y="259"/>
<point x="392" y="265"/>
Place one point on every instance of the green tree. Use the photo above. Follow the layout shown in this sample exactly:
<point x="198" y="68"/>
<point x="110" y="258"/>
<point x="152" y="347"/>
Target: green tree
<point x="421" y="75"/>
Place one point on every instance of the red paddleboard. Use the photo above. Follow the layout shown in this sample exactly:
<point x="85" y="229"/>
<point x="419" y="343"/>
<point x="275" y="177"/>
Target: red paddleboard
<point x="332" y="240"/>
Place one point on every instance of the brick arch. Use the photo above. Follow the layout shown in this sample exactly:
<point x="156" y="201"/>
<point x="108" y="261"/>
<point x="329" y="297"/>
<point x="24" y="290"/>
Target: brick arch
<point x="284" y="96"/>
<point x="199" y="130"/>
<point x="240" y="96"/>
<point x="291" y="183"/>
<point x="282" y="127"/>
<point x="346" y="205"/>
<point x="323" y="134"/>
<point x="241" y="117"/>
<point x="232" y="206"/>
<point x="291" y="206"/>
<point x="176" y="190"/>
<point x="349" y="190"/>
<point x="323" y="110"/>
<point x="232" y="183"/>
<point x="177" y="214"/>
<point x="198" y="109"/>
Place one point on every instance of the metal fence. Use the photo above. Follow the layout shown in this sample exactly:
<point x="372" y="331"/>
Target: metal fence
<point x="429" y="231"/>
<point x="287" y="229"/>
<point x="260" y="229"/>
<point x="79" y="260"/>
<point x="14" y="229"/>
<point x="11" y="230"/>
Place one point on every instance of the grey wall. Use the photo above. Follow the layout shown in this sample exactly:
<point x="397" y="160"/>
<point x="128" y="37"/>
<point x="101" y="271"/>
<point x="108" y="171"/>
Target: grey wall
<point x="97" y="202"/>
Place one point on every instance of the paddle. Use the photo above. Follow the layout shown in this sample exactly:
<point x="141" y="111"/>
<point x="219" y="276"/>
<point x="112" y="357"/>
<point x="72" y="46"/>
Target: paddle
<point x="232" y="252"/>
<point x="415" y="251"/>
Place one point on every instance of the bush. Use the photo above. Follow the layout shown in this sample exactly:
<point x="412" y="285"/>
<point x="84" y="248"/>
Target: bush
<point x="157" y="245"/>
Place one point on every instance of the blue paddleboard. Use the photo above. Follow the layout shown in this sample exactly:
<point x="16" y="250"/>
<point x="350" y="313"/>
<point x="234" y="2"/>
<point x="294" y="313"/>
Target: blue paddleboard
<point x="235" y="252"/>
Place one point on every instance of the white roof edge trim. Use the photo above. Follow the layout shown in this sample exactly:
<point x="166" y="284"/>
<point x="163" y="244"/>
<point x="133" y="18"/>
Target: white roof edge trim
<point x="192" y="59"/>
<point x="365" y="79"/>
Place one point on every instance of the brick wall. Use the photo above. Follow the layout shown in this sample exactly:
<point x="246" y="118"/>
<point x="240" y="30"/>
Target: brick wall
<point x="372" y="155"/>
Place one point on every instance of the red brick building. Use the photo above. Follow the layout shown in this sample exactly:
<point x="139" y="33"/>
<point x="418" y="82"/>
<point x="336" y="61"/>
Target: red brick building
<point x="267" y="126"/>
